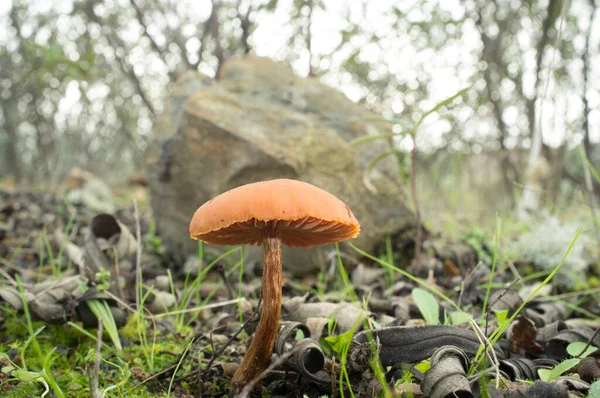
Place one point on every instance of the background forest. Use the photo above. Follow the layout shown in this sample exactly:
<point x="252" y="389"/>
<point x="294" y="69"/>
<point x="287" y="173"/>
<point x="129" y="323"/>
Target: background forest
<point x="82" y="82"/>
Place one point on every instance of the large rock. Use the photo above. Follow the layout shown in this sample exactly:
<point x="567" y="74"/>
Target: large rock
<point x="259" y="121"/>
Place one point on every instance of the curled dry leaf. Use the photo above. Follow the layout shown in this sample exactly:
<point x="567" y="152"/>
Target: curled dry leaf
<point x="13" y="297"/>
<point x="544" y="313"/>
<point x="556" y="348"/>
<point x="73" y="252"/>
<point x="318" y="326"/>
<point x="307" y="358"/>
<point x="519" y="368"/>
<point x="400" y="344"/>
<point x="573" y="384"/>
<point x="346" y="315"/>
<point x="505" y="299"/>
<point x="447" y="375"/>
<point x="364" y="276"/>
<point x="545" y="333"/>
<point x="106" y="233"/>
<point x="523" y="337"/>
<point x="61" y="300"/>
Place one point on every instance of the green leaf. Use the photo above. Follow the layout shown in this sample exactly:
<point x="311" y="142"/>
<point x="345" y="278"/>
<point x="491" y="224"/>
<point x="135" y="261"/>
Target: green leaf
<point x="413" y="130"/>
<point x="423" y="366"/>
<point x="27" y="376"/>
<point x="369" y="138"/>
<point x="458" y="317"/>
<point x="428" y="306"/>
<point x="544" y="374"/>
<point x="439" y="105"/>
<point x="373" y="163"/>
<point x="574" y="349"/>
<point x="551" y="374"/>
<point x="589" y="164"/>
<point x="594" y="390"/>
<point x="340" y="342"/>
<point x="102" y="311"/>
<point x="500" y="315"/>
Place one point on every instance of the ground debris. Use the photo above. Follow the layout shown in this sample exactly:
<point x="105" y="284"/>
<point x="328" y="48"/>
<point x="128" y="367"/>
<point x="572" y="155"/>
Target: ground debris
<point x="376" y="336"/>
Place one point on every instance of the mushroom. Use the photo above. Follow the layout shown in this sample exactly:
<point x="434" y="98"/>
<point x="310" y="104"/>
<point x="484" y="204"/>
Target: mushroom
<point x="270" y="213"/>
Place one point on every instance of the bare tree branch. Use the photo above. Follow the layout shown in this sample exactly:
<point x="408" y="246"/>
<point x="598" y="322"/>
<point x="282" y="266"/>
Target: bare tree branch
<point x="115" y="42"/>
<point x="246" y="25"/>
<point x="542" y="43"/>
<point x="207" y="30"/>
<point x="161" y="51"/>
<point x="178" y="39"/>
<point x="216" y="34"/>
<point x="586" y="76"/>
<point x="491" y="49"/>
<point x="586" y="108"/>
<point x="492" y="55"/>
<point x="309" y="21"/>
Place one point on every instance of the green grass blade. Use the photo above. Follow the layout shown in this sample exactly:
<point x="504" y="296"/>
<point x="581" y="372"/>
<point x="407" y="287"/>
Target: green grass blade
<point x="493" y="271"/>
<point x="439" y="105"/>
<point x="102" y="311"/>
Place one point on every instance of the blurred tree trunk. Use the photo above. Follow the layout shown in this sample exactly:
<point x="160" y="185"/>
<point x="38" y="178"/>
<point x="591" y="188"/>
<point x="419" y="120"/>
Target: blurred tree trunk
<point x="587" y="147"/>
<point x="246" y="26"/>
<point x="11" y="154"/>
<point x="308" y="34"/>
<point x="538" y="168"/>
<point x="493" y="75"/>
<point x="555" y="158"/>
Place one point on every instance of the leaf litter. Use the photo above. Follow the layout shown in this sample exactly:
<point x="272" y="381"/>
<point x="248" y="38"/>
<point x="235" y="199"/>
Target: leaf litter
<point x="385" y="334"/>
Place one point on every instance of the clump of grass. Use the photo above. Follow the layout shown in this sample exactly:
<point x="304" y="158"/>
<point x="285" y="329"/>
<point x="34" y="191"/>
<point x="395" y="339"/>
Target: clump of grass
<point x="45" y="374"/>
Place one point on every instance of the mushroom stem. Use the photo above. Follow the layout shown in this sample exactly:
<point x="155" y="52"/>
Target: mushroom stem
<point x="258" y="356"/>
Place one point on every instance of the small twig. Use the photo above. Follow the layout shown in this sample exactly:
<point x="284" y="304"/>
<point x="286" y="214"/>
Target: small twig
<point x="194" y="309"/>
<point x="221" y="271"/>
<point x="95" y="373"/>
<point x="21" y="270"/>
<point x="138" y="257"/>
<point x="8" y="278"/>
<point x="199" y="379"/>
<point x="117" y="274"/>
<point x="246" y="26"/>
<point x="180" y="358"/>
<point x="465" y="281"/>
<point x="589" y="342"/>
<point x="279" y="361"/>
<point x="218" y="354"/>
<point x="489" y="309"/>
<point x="309" y="41"/>
<point x="483" y="340"/>
<point x="569" y="294"/>
<point x="333" y="378"/>
<point x="168" y="370"/>
<point x="211" y="342"/>
<point x="55" y="284"/>
<point x="413" y="190"/>
<point x="119" y="301"/>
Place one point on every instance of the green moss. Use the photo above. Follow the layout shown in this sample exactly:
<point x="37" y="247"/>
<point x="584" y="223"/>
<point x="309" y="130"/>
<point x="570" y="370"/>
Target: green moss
<point x="74" y="356"/>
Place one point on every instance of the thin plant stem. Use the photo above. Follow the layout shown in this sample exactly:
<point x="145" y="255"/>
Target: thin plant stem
<point x="413" y="189"/>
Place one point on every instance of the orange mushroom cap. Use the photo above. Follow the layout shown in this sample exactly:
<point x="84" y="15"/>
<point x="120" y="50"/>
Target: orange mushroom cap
<point x="305" y="215"/>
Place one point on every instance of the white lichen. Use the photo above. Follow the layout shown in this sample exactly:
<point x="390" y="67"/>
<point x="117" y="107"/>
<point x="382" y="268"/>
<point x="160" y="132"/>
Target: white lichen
<point x="545" y="244"/>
